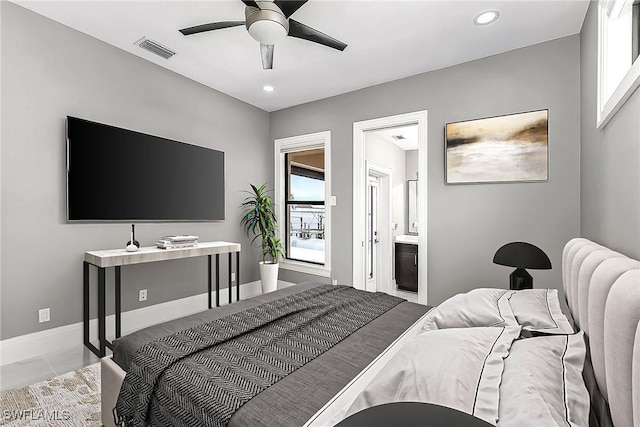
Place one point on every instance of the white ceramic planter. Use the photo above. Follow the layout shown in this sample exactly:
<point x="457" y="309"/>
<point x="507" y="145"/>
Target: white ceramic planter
<point x="269" y="276"/>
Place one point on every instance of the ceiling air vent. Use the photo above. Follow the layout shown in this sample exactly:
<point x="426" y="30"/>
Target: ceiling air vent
<point x="155" y="48"/>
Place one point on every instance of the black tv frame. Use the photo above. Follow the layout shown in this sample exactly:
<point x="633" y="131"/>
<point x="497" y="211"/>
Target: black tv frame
<point x="130" y="221"/>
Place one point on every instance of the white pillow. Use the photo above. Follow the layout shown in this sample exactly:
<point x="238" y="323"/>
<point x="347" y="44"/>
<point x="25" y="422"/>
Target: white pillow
<point x="458" y="368"/>
<point x="533" y="309"/>
<point x="539" y="310"/>
<point x="542" y="383"/>
<point x="479" y="307"/>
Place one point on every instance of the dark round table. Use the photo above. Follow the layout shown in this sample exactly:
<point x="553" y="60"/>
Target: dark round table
<point x="412" y="414"/>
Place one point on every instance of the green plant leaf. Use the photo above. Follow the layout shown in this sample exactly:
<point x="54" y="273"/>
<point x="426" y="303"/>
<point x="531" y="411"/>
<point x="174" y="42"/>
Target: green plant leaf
<point x="259" y="218"/>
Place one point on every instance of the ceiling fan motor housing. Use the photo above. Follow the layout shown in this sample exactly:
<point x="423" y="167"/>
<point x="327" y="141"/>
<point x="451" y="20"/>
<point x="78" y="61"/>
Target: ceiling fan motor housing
<point x="268" y="24"/>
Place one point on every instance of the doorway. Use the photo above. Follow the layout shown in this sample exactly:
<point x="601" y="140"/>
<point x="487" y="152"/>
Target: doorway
<point x="376" y="223"/>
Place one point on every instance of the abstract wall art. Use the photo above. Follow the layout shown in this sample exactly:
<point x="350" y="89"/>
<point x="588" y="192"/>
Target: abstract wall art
<point x="507" y="148"/>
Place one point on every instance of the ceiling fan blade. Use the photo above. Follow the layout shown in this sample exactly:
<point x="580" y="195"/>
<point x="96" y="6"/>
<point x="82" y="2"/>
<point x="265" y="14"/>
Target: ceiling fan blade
<point x="301" y="31"/>
<point x="251" y="3"/>
<point x="266" y="51"/>
<point x="288" y="7"/>
<point x="211" y="26"/>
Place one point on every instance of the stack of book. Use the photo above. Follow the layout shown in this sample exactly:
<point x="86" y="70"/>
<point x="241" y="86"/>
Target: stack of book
<point x="177" y="242"/>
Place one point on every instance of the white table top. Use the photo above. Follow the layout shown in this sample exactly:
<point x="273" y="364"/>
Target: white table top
<point x="115" y="257"/>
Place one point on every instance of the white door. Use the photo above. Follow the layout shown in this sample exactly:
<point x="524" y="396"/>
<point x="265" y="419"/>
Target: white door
<point x="372" y="233"/>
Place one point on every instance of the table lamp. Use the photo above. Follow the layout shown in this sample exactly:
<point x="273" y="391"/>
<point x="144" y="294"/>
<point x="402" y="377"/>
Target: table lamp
<point x="521" y="255"/>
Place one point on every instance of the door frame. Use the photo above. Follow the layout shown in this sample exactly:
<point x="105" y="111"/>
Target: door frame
<point x="359" y="189"/>
<point x="385" y="250"/>
<point x="372" y="182"/>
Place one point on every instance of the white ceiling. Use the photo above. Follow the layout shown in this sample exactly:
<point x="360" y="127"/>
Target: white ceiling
<point x="387" y="40"/>
<point x="410" y="134"/>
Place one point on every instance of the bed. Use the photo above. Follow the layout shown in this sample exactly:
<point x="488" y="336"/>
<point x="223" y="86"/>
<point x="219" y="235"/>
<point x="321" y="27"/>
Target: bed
<point x="602" y="290"/>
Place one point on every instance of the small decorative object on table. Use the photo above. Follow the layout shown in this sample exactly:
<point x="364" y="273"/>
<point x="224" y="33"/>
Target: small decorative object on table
<point x="521" y="255"/>
<point x="177" y="242"/>
<point x="132" y="245"/>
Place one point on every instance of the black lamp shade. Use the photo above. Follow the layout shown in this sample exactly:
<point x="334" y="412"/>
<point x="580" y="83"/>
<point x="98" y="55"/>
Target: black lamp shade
<point x="522" y="255"/>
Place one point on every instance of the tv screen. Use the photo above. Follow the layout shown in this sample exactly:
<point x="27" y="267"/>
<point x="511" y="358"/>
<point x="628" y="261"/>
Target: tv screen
<point x="115" y="174"/>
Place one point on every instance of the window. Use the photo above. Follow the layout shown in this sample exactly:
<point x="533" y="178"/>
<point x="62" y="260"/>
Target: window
<point x="618" y="44"/>
<point x="302" y="191"/>
<point x="305" y="210"/>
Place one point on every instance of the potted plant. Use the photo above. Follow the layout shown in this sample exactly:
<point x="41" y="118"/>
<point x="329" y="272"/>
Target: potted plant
<point x="259" y="219"/>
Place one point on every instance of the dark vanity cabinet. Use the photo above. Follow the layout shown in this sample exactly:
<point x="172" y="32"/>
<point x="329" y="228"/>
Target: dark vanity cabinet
<point x="407" y="267"/>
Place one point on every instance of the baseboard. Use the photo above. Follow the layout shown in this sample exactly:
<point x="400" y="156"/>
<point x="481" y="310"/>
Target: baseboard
<point x="42" y="342"/>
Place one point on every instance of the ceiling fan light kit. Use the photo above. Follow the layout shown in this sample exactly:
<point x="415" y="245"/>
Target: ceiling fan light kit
<point x="266" y="25"/>
<point x="268" y="22"/>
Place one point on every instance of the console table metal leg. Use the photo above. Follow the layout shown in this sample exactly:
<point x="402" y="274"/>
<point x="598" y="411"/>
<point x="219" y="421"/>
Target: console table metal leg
<point x="238" y="276"/>
<point x="118" y="301"/>
<point x="217" y="280"/>
<point x="85" y="308"/>
<point x="209" y="280"/>
<point x="102" y="312"/>
<point x="230" y="277"/>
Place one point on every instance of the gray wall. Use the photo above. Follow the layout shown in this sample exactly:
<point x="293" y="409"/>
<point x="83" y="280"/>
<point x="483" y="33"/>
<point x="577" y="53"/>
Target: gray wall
<point x="50" y="71"/>
<point x="610" y="158"/>
<point x="467" y="223"/>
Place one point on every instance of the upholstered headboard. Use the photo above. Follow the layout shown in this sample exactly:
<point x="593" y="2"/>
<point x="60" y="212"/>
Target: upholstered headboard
<point x="602" y="289"/>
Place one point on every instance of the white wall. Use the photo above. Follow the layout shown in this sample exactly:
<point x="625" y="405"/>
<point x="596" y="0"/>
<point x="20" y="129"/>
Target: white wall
<point x="390" y="156"/>
<point x="411" y="164"/>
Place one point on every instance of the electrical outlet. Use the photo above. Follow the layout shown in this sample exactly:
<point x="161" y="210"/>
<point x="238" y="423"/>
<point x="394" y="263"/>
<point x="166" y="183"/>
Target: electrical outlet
<point x="143" y="295"/>
<point x="334" y="282"/>
<point x="233" y="277"/>
<point x="44" y="315"/>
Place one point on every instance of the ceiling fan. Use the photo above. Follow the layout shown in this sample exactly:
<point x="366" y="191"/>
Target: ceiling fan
<point x="268" y="22"/>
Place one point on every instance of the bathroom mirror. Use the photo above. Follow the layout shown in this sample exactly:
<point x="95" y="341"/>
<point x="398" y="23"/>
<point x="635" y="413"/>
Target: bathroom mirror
<point x="412" y="206"/>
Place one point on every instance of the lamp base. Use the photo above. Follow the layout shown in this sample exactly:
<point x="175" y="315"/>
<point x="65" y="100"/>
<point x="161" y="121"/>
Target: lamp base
<point x="520" y="279"/>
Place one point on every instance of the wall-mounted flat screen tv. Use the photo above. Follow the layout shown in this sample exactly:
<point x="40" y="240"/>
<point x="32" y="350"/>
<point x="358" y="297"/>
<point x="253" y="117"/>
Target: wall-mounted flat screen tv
<point x="115" y="174"/>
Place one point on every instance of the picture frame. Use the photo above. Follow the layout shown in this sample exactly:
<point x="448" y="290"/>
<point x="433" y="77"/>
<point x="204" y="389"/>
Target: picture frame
<point x="499" y="149"/>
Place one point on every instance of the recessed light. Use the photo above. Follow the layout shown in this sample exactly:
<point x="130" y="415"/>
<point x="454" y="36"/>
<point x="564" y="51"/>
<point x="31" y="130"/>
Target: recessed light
<point x="267" y="88"/>
<point x="486" y="17"/>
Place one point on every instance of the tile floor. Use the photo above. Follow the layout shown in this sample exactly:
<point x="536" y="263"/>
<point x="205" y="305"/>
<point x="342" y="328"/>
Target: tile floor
<point x="30" y="371"/>
<point x="409" y="296"/>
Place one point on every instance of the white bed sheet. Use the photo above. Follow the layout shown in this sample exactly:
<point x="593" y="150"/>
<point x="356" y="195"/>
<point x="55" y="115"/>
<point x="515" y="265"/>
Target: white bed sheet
<point x="343" y="403"/>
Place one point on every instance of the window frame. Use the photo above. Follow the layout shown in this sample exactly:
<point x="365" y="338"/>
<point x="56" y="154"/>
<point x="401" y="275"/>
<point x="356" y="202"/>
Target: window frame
<point x="283" y="146"/>
<point x="607" y="108"/>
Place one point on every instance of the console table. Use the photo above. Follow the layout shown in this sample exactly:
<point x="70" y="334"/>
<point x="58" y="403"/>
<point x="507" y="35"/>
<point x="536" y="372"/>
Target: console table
<point x="118" y="257"/>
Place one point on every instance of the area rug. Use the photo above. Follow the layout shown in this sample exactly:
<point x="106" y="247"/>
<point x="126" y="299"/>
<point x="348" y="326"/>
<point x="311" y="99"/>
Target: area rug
<point x="72" y="399"/>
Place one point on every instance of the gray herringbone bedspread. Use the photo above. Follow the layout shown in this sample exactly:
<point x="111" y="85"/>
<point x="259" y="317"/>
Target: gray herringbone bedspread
<point x="201" y="376"/>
